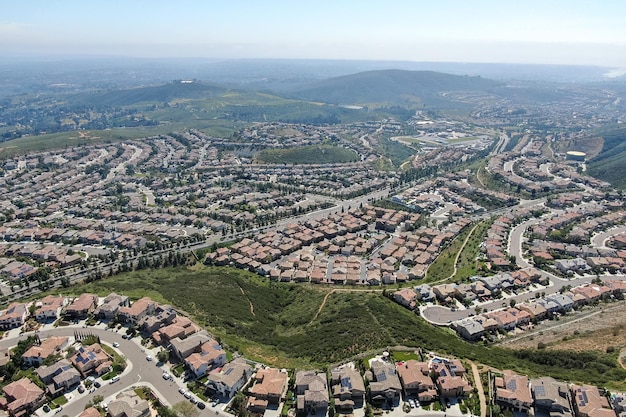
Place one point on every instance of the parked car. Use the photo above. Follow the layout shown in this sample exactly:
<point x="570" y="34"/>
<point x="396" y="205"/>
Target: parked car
<point x="115" y="379"/>
<point x="201" y="405"/>
<point x="149" y="358"/>
<point x="115" y="344"/>
<point x="97" y="384"/>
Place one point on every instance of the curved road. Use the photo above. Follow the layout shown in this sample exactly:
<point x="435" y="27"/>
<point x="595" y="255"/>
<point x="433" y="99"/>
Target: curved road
<point x="138" y="371"/>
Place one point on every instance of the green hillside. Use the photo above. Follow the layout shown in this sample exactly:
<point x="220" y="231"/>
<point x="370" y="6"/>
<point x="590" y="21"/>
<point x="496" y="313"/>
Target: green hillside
<point x="283" y="324"/>
<point x="160" y="94"/>
<point x="320" y="154"/>
<point x="610" y="164"/>
<point x="391" y="86"/>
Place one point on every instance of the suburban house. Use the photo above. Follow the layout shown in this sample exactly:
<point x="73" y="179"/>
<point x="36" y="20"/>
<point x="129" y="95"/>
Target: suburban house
<point x="211" y="356"/>
<point x="406" y="297"/>
<point x="59" y="377"/>
<point x="163" y="315"/>
<point x="588" y="402"/>
<point x="416" y="381"/>
<point x="90" y="412"/>
<point x="469" y="329"/>
<point x="49" y="308"/>
<point x="536" y="311"/>
<point x="181" y="328"/>
<point x="512" y="391"/>
<point x="128" y="404"/>
<point x="22" y="397"/>
<point x="270" y="387"/>
<point x="450" y="382"/>
<point x="110" y="306"/>
<point x="138" y="310"/>
<point x="91" y="360"/>
<point x="14" y="316"/>
<point x="385" y="385"/>
<point x="81" y="307"/>
<point x="36" y="354"/>
<point x="551" y="396"/>
<point x="312" y="392"/>
<point x="230" y="379"/>
<point x="185" y="347"/>
<point x="347" y="387"/>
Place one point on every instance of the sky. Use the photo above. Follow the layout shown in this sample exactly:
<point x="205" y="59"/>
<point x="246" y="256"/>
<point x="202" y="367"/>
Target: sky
<point x="503" y="31"/>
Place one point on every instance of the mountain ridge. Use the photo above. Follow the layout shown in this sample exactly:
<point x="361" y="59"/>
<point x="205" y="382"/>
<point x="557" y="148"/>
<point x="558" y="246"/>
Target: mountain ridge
<point x="390" y="86"/>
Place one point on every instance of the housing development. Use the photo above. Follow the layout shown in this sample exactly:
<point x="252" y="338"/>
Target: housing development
<point x="138" y="272"/>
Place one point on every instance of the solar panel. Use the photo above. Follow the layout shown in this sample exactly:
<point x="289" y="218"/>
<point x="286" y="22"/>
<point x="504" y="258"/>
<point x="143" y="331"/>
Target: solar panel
<point x="540" y="390"/>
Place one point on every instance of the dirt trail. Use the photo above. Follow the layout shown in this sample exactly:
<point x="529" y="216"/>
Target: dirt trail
<point x="249" y="302"/>
<point x="479" y="386"/>
<point x="319" y="310"/>
<point x="456" y="259"/>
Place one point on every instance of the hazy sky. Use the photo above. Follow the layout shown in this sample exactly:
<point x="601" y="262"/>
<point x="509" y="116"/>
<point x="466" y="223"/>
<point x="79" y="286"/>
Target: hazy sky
<point x="529" y="31"/>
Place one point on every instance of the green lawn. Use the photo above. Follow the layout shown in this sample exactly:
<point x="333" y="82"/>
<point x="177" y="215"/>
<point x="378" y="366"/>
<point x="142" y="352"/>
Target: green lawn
<point x="404" y="356"/>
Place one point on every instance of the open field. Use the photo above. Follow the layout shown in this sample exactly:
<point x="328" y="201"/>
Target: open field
<point x="319" y="154"/>
<point x="279" y="324"/>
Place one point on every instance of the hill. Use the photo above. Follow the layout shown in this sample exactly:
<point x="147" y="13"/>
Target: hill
<point x="319" y="154"/>
<point x="391" y="86"/>
<point x="161" y="94"/>
<point x="291" y="325"/>
<point x="610" y="164"/>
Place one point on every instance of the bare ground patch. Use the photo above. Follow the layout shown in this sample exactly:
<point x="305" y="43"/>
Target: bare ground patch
<point x="597" y="329"/>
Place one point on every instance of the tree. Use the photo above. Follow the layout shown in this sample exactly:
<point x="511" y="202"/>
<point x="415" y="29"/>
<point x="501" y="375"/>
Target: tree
<point x="97" y="399"/>
<point x="512" y="303"/>
<point x="163" y="356"/>
<point x="185" y="409"/>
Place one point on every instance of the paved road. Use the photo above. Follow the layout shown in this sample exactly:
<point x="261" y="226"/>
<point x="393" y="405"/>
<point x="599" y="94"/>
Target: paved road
<point x="138" y="371"/>
<point x="599" y="240"/>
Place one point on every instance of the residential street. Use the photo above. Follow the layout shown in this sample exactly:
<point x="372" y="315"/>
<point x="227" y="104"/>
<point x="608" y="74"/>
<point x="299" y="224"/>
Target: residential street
<point x="138" y="372"/>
